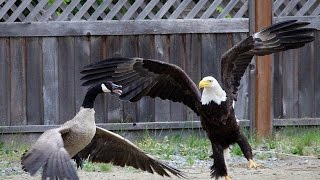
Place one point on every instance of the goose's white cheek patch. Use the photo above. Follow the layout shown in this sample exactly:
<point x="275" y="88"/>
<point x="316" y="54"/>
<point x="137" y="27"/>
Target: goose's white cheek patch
<point x="104" y="88"/>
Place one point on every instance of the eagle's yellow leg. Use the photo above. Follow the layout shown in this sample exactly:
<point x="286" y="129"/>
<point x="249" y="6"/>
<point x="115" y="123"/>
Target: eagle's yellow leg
<point x="227" y="178"/>
<point x="252" y="164"/>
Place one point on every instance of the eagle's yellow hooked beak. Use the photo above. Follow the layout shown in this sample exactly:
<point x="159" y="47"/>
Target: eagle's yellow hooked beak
<point x="204" y="83"/>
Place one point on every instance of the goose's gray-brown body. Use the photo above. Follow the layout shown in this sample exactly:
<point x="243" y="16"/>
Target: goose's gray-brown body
<point x="81" y="137"/>
<point x="82" y="129"/>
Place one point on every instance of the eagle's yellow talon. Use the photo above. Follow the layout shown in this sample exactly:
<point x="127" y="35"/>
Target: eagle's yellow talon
<point x="252" y="164"/>
<point x="227" y="178"/>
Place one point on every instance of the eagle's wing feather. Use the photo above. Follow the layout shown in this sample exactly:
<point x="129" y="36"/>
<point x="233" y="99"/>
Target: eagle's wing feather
<point x="145" y="77"/>
<point x="109" y="147"/>
<point x="278" y="37"/>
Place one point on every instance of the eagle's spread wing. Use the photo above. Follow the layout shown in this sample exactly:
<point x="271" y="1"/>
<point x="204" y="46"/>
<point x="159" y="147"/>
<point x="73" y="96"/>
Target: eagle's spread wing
<point x="49" y="152"/>
<point x="145" y="77"/>
<point x="278" y="37"/>
<point x="109" y="147"/>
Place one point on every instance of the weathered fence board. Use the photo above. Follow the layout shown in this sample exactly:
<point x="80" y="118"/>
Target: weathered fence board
<point x="317" y="75"/>
<point x="162" y="107"/>
<point x="5" y="82"/>
<point x="96" y="55"/>
<point x="176" y="56"/>
<point x="18" y="115"/>
<point x="83" y="28"/>
<point x="81" y="58"/>
<point x="129" y="48"/>
<point x="277" y="81"/>
<point x="295" y="82"/>
<point x="306" y="81"/>
<point x="66" y="70"/>
<point x="50" y="80"/>
<point x="146" y="106"/>
<point x="156" y="125"/>
<point x="34" y="82"/>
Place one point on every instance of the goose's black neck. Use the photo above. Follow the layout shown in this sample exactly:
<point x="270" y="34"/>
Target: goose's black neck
<point x="91" y="96"/>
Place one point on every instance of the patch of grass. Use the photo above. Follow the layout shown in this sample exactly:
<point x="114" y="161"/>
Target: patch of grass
<point x="97" y="167"/>
<point x="291" y="140"/>
<point x="11" y="154"/>
<point x="192" y="147"/>
<point x="300" y="141"/>
<point x="235" y="150"/>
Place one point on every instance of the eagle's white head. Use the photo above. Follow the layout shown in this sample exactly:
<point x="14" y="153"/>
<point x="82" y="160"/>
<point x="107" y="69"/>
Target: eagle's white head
<point x="212" y="91"/>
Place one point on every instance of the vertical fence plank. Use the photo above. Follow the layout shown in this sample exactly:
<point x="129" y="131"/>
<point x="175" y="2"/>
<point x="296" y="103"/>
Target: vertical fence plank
<point x="176" y="47"/>
<point x="114" y="105"/>
<point x="129" y="48"/>
<point x="18" y="79"/>
<point x="162" y="107"/>
<point x="277" y="86"/>
<point x="50" y="80"/>
<point x="100" y="103"/>
<point x="290" y="84"/>
<point x="81" y="59"/>
<point x="146" y="106"/>
<point x="5" y="82"/>
<point x="317" y="74"/>
<point x="208" y="44"/>
<point x="194" y="67"/>
<point x="305" y="80"/>
<point x="66" y="78"/>
<point x="223" y="43"/>
<point x="34" y="81"/>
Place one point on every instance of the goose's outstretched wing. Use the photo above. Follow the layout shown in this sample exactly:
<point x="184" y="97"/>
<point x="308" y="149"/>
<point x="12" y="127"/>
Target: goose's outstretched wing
<point x="278" y="37"/>
<point x="49" y="152"/>
<point x="145" y="77"/>
<point x="109" y="147"/>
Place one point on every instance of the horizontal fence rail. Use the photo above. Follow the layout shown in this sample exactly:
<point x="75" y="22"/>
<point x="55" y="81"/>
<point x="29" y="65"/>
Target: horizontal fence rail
<point x="156" y="125"/>
<point x="96" y="28"/>
<point x="79" y="28"/>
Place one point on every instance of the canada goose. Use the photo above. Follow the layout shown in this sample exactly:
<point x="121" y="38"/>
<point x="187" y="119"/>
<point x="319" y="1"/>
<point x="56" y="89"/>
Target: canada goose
<point x="55" y="147"/>
<point x="146" y="77"/>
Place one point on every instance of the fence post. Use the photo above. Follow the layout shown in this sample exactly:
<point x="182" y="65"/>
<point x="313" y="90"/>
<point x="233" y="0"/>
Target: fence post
<point x="261" y="76"/>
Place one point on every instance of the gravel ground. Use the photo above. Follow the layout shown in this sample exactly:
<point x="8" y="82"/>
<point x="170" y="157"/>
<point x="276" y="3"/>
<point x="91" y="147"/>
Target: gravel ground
<point x="273" y="168"/>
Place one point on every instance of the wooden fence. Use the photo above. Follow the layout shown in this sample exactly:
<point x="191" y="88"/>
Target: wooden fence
<point x="44" y="44"/>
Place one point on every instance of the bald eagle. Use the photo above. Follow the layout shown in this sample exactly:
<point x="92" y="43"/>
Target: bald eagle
<point x="146" y="77"/>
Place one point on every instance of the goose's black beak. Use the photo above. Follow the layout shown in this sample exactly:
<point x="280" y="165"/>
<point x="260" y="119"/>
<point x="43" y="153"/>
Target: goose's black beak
<point x="116" y="89"/>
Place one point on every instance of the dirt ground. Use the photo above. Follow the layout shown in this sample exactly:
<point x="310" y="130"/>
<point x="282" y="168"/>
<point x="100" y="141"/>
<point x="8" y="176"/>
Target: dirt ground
<point x="288" y="168"/>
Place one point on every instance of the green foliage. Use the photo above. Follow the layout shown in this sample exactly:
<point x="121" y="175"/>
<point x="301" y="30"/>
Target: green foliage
<point x="220" y="10"/>
<point x="295" y="140"/>
<point x="97" y="167"/>
<point x="235" y="150"/>
<point x="192" y="147"/>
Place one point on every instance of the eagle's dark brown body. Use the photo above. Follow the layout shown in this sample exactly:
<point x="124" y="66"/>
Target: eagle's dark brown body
<point x="219" y="121"/>
<point x="146" y="77"/>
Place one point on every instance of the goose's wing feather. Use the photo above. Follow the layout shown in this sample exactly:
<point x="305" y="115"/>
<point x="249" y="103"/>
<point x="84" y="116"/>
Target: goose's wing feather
<point x="49" y="152"/>
<point x="109" y="147"/>
<point x="278" y="37"/>
<point x="145" y="77"/>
